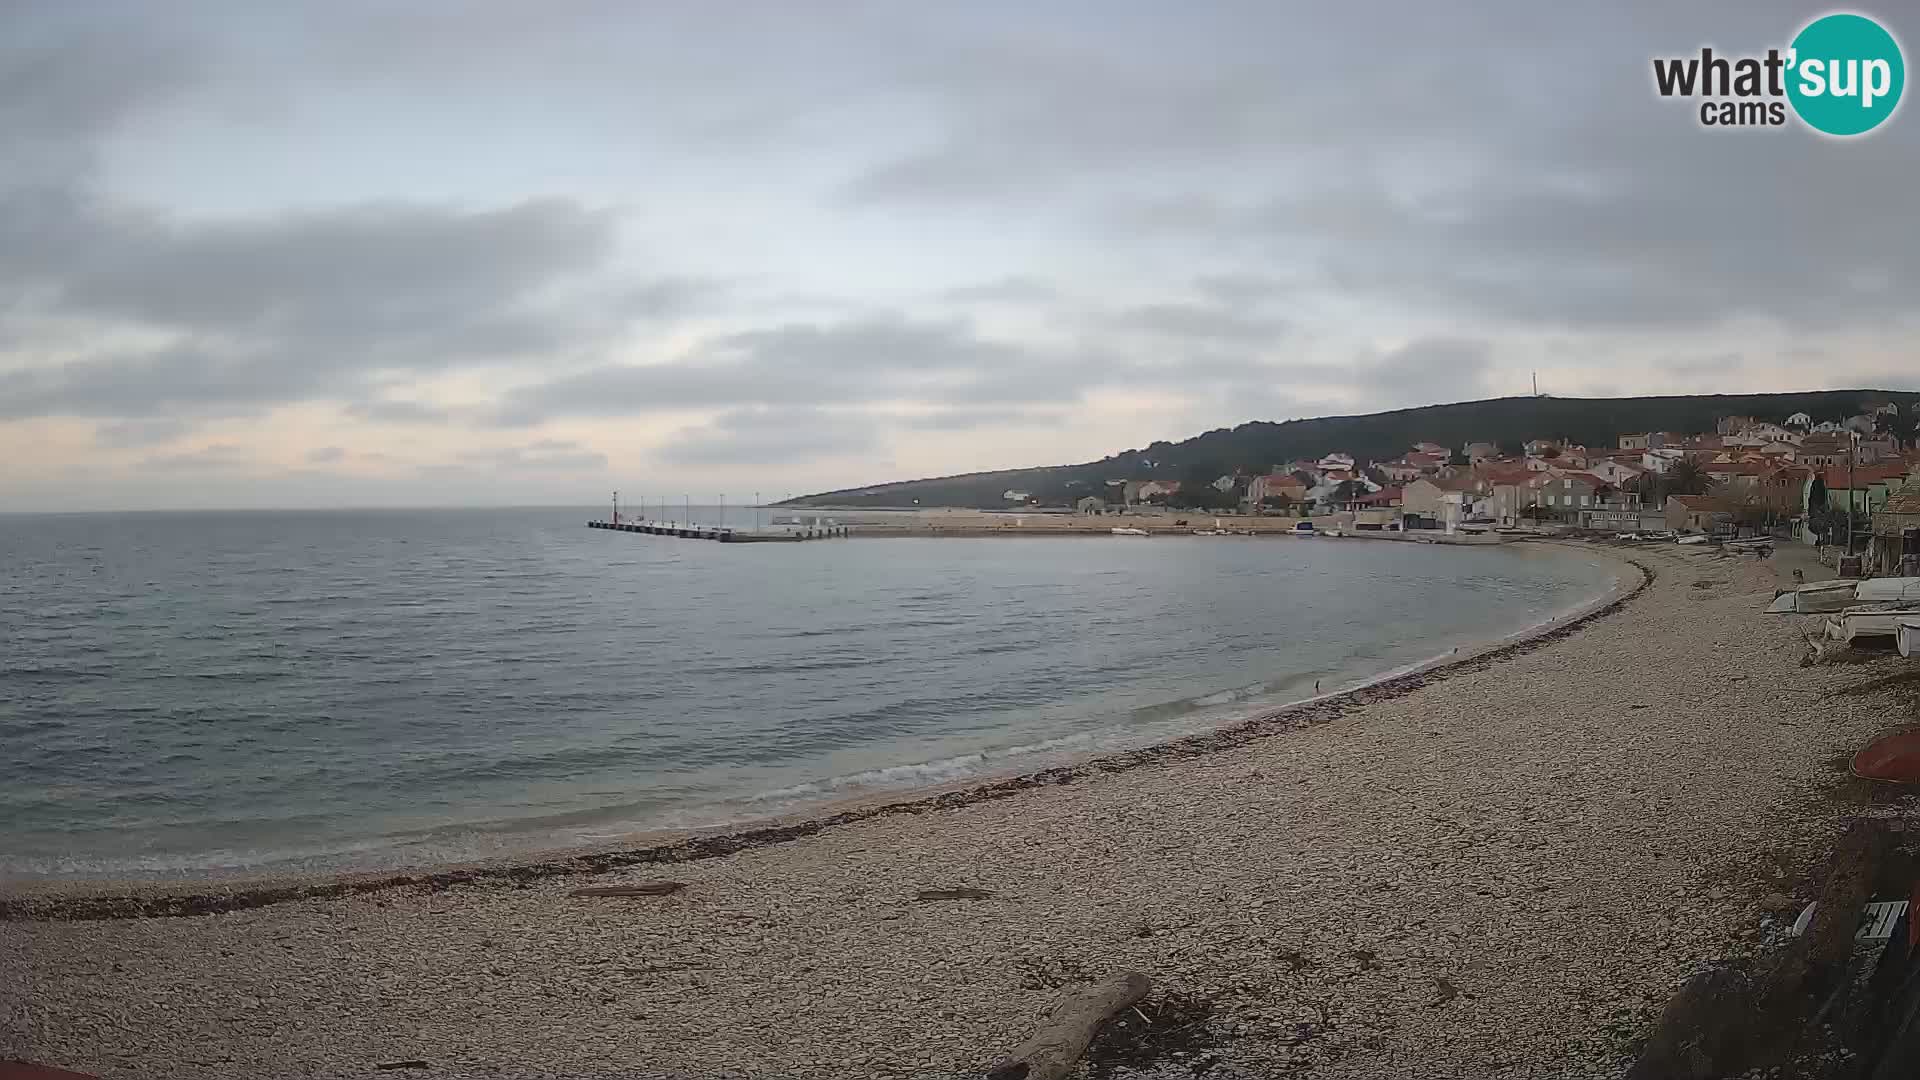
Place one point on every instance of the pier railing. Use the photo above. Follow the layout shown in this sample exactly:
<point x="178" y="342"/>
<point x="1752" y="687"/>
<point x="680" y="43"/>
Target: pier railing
<point x="722" y="533"/>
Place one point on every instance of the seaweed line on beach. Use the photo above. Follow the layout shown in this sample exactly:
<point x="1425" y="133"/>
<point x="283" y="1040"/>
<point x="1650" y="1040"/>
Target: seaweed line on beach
<point x="1292" y="718"/>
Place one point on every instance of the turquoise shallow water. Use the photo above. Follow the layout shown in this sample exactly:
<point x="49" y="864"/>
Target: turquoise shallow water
<point x="239" y="693"/>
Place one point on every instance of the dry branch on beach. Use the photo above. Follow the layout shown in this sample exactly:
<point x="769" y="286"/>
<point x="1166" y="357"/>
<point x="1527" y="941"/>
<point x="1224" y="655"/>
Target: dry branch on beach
<point x="1063" y="1036"/>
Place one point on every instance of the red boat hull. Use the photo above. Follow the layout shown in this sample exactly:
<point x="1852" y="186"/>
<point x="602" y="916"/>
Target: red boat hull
<point x="1893" y="758"/>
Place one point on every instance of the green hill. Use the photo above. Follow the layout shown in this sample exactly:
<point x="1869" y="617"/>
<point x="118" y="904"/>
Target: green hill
<point x="1260" y="445"/>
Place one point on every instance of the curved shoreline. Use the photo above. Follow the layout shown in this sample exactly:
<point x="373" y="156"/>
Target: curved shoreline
<point x="86" y="901"/>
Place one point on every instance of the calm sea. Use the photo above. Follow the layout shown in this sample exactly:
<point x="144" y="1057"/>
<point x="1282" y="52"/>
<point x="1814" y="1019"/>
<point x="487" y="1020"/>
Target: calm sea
<point x="239" y="693"/>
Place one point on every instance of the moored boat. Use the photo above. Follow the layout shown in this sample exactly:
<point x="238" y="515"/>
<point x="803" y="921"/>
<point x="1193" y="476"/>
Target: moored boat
<point x="1906" y="637"/>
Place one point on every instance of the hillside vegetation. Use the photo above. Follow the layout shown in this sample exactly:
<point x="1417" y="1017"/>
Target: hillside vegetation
<point x="1259" y="445"/>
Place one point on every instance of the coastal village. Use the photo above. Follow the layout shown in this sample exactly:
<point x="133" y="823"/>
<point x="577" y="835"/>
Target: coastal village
<point x="1851" y="481"/>
<point x="1666" y="834"/>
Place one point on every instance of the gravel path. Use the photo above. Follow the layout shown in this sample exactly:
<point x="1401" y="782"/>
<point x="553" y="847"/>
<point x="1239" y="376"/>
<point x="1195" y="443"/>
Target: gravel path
<point x="1503" y="873"/>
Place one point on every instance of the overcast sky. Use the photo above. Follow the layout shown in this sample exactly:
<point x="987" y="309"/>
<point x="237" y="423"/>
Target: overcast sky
<point x="257" y="254"/>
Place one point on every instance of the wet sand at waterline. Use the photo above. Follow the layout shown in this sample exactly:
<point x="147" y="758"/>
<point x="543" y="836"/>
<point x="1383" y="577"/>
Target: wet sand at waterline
<point x="1501" y="868"/>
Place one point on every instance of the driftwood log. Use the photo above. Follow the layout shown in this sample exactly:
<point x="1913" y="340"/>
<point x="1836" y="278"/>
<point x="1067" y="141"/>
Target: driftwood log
<point x="1724" y="1022"/>
<point x="651" y="888"/>
<point x="1063" y="1036"/>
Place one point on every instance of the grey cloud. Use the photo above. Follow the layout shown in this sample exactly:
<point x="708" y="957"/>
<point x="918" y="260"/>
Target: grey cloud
<point x="896" y="361"/>
<point x="215" y="457"/>
<point x="398" y="412"/>
<point x="1204" y="322"/>
<point x="1599" y="208"/>
<point x="762" y="436"/>
<point x="135" y="433"/>
<point x="1013" y="290"/>
<point x="324" y="455"/>
<point x="1242" y="289"/>
<point x="1716" y="364"/>
<point x="181" y="380"/>
<point x="258" y="311"/>
<point x="63" y="85"/>
<point x="1046" y="115"/>
<point x="865" y="360"/>
<point x="357" y="276"/>
<point x="545" y="455"/>
<point x="974" y="419"/>
<point x="311" y="305"/>
<point x="1429" y="370"/>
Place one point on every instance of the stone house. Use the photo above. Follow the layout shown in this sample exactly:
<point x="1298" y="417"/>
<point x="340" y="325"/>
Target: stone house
<point x="1697" y="513"/>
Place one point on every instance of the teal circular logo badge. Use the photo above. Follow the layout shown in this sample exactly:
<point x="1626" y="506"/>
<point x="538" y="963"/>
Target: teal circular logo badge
<point x="1845" y="74"/>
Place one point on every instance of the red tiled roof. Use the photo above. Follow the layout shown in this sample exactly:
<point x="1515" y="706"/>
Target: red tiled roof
<point x="1587" y="478"/>
<point x="1739" y="468"/>
<point x="1701" y="502"/>
<point x="1835" y="476"/>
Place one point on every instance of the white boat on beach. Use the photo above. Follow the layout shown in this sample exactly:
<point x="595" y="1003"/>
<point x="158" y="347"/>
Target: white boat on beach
<point x="1121" y="531"/>
<point x="1888" y="590"/>
<point x="1907" y="637"/>
<point x="1864" y="622"/>
<point x="1814" y="598"/>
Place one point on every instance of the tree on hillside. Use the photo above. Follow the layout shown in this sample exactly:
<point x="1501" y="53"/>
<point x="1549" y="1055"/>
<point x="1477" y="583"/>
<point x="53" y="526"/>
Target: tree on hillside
<point x="1550" y="453"/>
<point x="1687" y="478"/>
<point x="1201" y="497"/>
<point x="1504" y="422"/>
<point x="1202" y="473"/>
<point x="1281" y="503"/>
<point x="1348" y="491"/>
<point x="1306" y="478"/>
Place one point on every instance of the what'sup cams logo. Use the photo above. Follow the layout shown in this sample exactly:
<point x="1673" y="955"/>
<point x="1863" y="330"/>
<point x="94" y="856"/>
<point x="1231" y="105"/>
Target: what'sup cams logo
<point x="1841" y="75"/>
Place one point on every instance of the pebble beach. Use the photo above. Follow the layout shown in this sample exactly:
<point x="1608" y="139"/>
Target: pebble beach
<point x="1498" y="869"/>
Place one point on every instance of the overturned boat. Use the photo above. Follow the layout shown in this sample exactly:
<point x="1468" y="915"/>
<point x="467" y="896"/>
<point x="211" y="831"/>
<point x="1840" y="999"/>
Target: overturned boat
<point x="1900" y="591"/>
<point x="1815" y="598"/>
<point x="1868" y="622"/>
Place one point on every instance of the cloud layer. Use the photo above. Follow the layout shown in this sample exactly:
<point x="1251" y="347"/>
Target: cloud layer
<point x="433" y="253"/>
